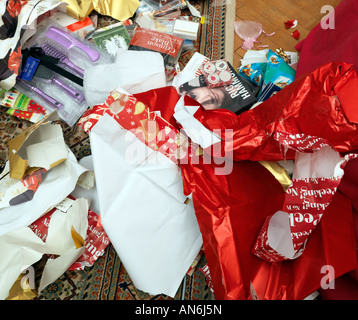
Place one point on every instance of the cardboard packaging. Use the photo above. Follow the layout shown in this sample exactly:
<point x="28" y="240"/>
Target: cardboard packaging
<point x="186" y="29"/>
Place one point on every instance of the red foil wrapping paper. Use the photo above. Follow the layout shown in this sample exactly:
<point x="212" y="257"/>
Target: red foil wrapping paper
<point x="232" y="208"/>
<point x="320" y="104"/>
<point x="306" y="200"/>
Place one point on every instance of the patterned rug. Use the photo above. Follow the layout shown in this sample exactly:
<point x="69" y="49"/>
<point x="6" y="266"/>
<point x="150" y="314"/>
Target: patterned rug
<point x="107" y="279"/>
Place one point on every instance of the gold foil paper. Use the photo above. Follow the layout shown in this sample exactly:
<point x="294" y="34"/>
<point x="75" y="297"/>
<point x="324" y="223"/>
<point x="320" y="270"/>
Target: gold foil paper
<point x="278" y="172"/>
<point x="118" y="9"/>
<point x="21" y="290"/>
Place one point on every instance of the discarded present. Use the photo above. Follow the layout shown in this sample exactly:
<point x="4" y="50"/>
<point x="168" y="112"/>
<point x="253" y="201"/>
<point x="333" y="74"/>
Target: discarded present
<point x="238" y="96"/>
<point x="169" y="46"/>
<point x="186" y="29"/>
<point x="18" y="15"/>
<point x="112" y="38"/>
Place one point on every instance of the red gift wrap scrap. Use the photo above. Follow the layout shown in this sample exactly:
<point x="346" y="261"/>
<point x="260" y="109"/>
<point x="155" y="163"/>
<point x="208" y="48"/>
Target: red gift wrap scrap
<point x="290" y="24"/>
<point x="134" y="116"/>
<point x="232" y="208"/>
<point x="305" y="201"/>
<point x="95" y="242"/>
<point x="296" y="34"/>
<point x="231" y="218"/>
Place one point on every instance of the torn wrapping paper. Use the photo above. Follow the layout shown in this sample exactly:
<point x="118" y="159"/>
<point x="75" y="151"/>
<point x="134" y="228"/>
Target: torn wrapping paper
<point x="118" y="9"/>
<point x="32" y="153"/>
<point x="290" y="24"/>
<point x="84" y="190"/>
<point x="21" y="248"/>
<point x="56" y="184"/>
<point x="21" y="106"/>
<point x="16" y="16"/>
<point x="317" y="174"/>
<point x="134" y="157"/>
<point x="292" y="109"/>
<point x="14" y="191"/>
<point x="296" y="34"/>
<point x="40" y="146"/>
<point x="320" y="104"/>
<point x="134" y="116"/>
<point x="95" y="242"/>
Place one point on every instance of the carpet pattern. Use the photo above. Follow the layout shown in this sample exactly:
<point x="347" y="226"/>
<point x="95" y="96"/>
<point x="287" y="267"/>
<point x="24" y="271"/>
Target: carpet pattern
<point x="212" y="41"/>
<point x="107" y="279"/>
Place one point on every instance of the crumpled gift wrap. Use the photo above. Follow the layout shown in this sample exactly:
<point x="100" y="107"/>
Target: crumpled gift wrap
<point x="231" y="209"/>
<point x="117" y="9"/>
<point x="67" y="231"/>
<point x="318" y="172"/>
<point x="135" y="158"/>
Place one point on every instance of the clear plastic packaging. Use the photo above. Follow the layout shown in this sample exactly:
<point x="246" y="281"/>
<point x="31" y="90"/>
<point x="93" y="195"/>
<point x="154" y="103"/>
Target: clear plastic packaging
<point x="60" y="62"/>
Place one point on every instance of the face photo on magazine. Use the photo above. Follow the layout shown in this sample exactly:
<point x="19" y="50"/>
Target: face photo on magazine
<point x="209" y="98"/>
<point x="237" y="97"/>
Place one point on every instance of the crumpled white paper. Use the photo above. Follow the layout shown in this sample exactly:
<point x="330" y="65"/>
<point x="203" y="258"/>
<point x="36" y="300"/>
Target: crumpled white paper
<point x="21" y="248"/>
<point x="57" y="184"/>
<point x="141" y="199"/>
<point x="133" y="71"/>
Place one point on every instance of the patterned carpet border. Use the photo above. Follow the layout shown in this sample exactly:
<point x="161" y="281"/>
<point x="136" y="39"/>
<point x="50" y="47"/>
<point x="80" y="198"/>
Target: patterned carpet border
<point x="212" y="41"/>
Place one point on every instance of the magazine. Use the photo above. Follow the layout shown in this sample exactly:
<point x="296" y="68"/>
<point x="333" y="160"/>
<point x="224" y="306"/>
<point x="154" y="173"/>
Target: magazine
<point x="238" y="96"/>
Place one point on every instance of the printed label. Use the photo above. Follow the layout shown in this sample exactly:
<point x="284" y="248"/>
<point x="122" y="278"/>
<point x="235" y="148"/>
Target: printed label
<point x="29" y="69"/>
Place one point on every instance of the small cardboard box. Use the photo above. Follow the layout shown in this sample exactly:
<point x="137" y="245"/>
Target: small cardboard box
<point x="186" y="29"/>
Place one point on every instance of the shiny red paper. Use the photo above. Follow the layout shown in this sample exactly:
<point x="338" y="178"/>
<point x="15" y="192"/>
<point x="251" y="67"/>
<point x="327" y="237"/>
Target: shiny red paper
<point x="232" y="208"/>
<point x="317" y="105"/>
<point x="296" y="34"/>
<point x="306" y="199"/>
<point x="290" y="24"/>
